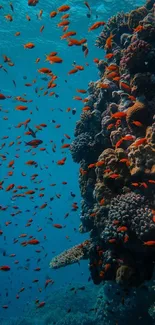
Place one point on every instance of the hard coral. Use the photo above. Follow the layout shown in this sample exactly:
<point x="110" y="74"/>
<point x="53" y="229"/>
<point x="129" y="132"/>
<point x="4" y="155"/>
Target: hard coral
<point x="135" y="16"/>
<point x="124" y="275"/>
<point x="82" y="147"/>
<point x="138" y="112"/>
<point x="138" y="57"/>
<point x="117" y="25"/>
<point x="72" y="255"/>
<point x="132" y="212"/>
<point x="143" y="84"/>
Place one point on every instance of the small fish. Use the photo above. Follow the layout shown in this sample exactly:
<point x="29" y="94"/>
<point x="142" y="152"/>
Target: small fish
<point x="96" y="25"/>
<point x="41" y="304"/>
<point x="137" y="123"/>
<point x="4" y="268"/>
<point x="122" y="229"/>
<point x="29" y="46"/>
<point x="63" y="8"/>
<point x="109" y="56"/>
<point x="57" y="225"/>
<point x="149" y="243"/>
<point x="108" y="44"/>
<point x="139" y="142"/>
<point x="119" y="115"/>
<point x="34" y="143"/>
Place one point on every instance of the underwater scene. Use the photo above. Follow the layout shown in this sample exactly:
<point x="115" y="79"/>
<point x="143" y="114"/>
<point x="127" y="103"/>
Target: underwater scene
<point x="77" y="162"/>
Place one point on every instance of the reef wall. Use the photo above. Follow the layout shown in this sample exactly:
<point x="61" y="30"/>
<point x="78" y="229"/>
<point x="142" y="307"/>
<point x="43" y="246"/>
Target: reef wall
<point x="115" y="147"/>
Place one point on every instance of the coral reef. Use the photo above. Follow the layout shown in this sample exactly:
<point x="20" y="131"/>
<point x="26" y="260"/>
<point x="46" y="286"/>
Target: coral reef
<point x="91" y="305"/>
<point x="115" y="146"/>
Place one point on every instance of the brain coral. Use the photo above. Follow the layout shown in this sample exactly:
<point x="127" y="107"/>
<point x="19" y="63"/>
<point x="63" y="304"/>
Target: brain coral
<point x="138" y="112"/>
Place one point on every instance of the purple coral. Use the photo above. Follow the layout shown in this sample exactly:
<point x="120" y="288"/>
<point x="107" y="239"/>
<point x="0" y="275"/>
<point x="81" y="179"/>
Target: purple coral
<point x="138" y="57"/>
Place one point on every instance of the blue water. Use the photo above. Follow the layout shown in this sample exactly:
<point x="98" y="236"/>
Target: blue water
<point x="49" y="108"/>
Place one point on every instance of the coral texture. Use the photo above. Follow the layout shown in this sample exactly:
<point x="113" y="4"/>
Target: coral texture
<point x="115" y="146"/>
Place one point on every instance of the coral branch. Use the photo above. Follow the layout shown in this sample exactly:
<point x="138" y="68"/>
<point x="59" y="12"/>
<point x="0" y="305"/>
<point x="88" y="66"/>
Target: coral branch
<point x="72" y="255"/>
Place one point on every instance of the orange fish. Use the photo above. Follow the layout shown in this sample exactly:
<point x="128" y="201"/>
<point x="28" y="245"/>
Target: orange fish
<point x="5" y="268"/>
<point x="63" y="8"/>
<point x="109" y="56"/>
<point x="137" y="123"/>
<point x="9" y="17"/>
<point x="118" y="115"/>
<point x="32" y="2"/>
<point x="79" y="67"/>
<point x="151" y="181"/>
<point x="112" y="75"/>
<point x="66" y="145"/>
<point x="112" y="241"/>
<point x="139" y="28"/>
<point x="63" y="23"/>
<point x="132" y="98"/>
<point x="42" y="28"/>
<point x="55" y="59"/>
<point x="122" y="229"/>
<point x="102" y="202"/>
<point x="149" y="243"/>
<point x="110" y="126"/>
<point x="2" y="96"/>
<point x="91" y="165"/>
<point x="86" y="108"/>
<point x="139" y="142"/>
<point x="113" y="176"/>
<point x="96" y="25"/>
<point x="68" y="34"/>
<point x="108" y="44"/>
<point x="82" y="91"/>
<point x="73" y="71"/>
<point x="65" y="16"/>
<point x="96" y="60"/>
<point x="21" y="108"/>
<point x="61" y="162"/>
<point x="144" y="185"/>
<point x="57" y="225"/>
<point x="11" y="163"/>
<point x="17" y="33"/>
<point x="103" y="85"/>
<point x="126" y="161"/>
<point x="29" y="46"/>
<point x="33" y="242"/>
<point x="53" y="14"/>
<point x="112" y="67"/>
<point x="100" y="163"/>
<point x="125" y="87"/>
<point x="44" y="70"/>
<point x="10" y="187"/>
<point x="29" y="192"/>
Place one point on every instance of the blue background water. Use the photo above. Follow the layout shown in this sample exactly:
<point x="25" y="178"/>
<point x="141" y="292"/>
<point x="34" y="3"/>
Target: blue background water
<point x="49" y="109"/>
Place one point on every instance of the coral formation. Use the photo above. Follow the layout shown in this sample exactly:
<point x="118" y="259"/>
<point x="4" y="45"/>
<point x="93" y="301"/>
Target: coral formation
<point x="115" y="146"/>
<point x="72" y="255"/>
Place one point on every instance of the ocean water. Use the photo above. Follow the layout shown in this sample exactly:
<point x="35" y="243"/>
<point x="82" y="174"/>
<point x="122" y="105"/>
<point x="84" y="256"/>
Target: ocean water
<point x="18" y="292"/>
